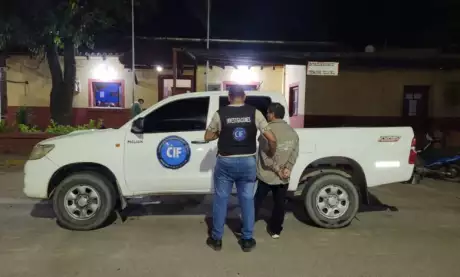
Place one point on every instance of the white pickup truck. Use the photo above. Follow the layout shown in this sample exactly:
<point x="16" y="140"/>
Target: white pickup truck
<point x="90" y="174"/>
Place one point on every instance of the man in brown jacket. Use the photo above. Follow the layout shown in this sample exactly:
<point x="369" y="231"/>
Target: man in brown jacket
<point x="273" y="173"/>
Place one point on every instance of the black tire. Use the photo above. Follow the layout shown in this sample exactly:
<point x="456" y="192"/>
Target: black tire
<point x="312" y="190"/>
<point x="101" y="185"/>
<point x="455" y="171"/>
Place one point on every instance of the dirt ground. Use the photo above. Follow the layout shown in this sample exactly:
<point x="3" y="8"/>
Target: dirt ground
<point x="411" y="230"/>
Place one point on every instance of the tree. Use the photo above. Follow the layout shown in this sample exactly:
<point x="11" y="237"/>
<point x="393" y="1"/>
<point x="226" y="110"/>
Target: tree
<point x="54" y="27"/>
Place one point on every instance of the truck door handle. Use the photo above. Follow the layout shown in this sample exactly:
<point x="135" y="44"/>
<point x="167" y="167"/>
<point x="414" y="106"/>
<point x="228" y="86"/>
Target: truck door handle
<point x="199" y="141"/>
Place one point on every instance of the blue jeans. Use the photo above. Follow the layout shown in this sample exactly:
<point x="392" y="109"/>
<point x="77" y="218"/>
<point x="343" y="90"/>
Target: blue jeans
<point x="242" y="172"/>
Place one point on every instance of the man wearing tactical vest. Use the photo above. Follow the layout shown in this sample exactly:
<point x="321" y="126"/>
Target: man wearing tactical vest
<point x="236" y="128"/>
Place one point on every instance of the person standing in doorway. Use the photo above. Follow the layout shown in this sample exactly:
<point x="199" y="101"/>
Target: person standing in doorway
<point x="136" y="108"/>
<point x="236" y="128"/>
<point x="274" y="175"/>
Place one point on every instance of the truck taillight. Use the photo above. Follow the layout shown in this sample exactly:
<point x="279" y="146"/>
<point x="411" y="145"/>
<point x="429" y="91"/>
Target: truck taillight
<point x="413" y="152"/>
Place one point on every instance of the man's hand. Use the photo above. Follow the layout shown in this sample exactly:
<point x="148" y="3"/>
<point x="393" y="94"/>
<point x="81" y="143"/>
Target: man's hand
<point x="213" y="130"/>
<point x="280" y="174"/>
<point x="284" y="173"/>
<point x="210" y="136"/>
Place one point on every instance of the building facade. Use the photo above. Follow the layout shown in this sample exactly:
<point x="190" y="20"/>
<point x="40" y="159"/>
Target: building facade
<point x="104" y="87"/>
<point x="425" y="99"/>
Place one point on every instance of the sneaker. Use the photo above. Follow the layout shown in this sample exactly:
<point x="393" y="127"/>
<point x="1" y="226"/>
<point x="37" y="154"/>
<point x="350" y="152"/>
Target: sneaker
<point x="273" y="234"/>
<point x="247" y="244"/>
<point x="215" y="244"/>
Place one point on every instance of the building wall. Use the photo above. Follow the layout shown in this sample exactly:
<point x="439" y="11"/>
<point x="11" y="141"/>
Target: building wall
<point x="296" y="75"/>
<point x="375" y="98"/>
<point x="29" y="85"/>
<point x="272" y="79"/>
<point x="375" y="93"/>
<point x="23" y="69"/>
<point x="36" y="73"/>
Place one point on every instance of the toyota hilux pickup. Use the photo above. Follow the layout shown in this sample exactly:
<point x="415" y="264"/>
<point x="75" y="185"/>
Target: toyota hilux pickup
<point x="90" y="174"/>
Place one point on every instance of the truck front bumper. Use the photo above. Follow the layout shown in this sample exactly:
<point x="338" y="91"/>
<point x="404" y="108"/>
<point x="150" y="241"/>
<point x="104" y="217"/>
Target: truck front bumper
<point x="37" y="175"/>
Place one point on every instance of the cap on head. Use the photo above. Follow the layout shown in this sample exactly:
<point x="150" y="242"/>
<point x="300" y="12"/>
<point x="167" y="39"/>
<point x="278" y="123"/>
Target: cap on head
<point x="236" y="91"/>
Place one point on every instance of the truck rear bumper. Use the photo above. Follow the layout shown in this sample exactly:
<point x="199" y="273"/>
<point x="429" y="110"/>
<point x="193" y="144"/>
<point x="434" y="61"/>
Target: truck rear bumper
<point x="37" y="175"/>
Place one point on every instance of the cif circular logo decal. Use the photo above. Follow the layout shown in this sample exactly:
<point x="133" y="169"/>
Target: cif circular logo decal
<point x="173" y="152"/>
<point x="239" y="134"/>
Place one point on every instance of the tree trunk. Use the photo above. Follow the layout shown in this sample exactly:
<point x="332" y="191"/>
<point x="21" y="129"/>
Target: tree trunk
<point x="63" y="83"/>
<point x="70" y="72"/>
<point x="57" y="81"/>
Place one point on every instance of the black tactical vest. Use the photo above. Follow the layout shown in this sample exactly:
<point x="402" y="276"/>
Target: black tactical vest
<point x="238" y="132"/>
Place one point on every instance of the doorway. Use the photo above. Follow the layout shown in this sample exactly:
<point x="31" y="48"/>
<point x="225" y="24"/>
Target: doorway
<point x="183" y="84"/>
<point x="415" y="102"/>
<point x="293" y="100"/>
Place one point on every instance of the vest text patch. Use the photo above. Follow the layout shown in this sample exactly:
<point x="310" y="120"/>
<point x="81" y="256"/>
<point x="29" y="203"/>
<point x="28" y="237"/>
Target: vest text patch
<point x="233" y="120"/>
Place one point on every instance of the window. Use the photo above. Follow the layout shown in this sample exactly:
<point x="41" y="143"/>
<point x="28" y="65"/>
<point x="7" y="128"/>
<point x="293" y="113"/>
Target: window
<point x="107" y="94"/>
<point x="178" y="116"/>
<point x="214" y="87"/>
<point x="259" y="102"/>
<point x="250" y="87"/>
<point x="293" y="100"/>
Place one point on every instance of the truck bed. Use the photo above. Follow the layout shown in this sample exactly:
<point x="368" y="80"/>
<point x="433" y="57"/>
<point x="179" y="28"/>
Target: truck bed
<point x="382" y="153"/>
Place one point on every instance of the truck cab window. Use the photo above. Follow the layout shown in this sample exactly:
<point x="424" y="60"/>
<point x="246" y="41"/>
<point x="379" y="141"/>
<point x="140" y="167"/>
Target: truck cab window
<point x="259" y="102"/>
<point x="178" y="116"/>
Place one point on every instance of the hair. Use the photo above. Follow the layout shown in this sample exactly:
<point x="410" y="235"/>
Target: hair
<point x="236" y="90"/>
<point x="277" y="109"/>
<point x="140" y="100"/>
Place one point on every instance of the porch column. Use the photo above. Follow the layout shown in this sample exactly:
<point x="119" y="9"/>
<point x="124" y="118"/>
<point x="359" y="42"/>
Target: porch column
<point x="3" y="87"/>
<point x="173" y="91"/>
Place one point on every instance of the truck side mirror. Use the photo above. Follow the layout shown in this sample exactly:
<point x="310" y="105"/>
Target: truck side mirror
<point x="138" y="126"/>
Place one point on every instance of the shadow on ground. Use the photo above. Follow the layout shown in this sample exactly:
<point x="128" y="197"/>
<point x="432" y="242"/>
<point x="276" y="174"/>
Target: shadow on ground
<point x="202" y="205"/>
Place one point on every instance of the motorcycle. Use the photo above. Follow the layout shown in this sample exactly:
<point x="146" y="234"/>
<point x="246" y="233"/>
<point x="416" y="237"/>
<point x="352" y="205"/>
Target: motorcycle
<point x="446" y="168"/>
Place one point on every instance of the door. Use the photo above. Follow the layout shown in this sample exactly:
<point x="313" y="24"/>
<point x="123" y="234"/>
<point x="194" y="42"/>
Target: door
<point x="293" y="101"/>
<point x="165" y="158"/>
<point x="180" y="91"/>
<point x="415" y="102"/>
<point x="166" y="83"/>
<point x="415" y="108"/>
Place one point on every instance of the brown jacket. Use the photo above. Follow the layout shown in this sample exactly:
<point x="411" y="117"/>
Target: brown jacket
<point x="287" y="151"/>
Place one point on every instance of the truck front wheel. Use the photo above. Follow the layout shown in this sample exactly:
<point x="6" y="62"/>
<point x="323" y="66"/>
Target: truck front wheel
<point x="84" y="201"/>
<point x="331" y="201"/>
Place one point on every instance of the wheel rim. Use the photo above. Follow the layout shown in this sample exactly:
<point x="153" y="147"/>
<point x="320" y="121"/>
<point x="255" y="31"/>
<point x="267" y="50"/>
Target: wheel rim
<point x="332" y="201"/>
<point x="82" y="202"/>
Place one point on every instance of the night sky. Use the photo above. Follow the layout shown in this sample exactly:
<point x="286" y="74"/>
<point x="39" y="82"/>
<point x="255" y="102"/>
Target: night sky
<point x="396" y="23"/>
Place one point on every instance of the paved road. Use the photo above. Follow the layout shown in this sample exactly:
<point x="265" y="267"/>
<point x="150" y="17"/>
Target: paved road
<point x="418" y="235"/>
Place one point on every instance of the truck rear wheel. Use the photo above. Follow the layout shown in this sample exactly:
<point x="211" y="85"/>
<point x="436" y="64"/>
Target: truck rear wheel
<point x="84" y="201"/>
<point x="331" y="201"/>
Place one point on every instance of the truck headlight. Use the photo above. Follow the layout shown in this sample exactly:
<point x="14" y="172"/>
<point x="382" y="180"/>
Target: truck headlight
<point x="40" y="151"/>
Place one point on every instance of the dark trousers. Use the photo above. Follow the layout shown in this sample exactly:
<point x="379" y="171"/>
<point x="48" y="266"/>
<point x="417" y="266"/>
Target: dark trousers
<point x="275" y="224"/>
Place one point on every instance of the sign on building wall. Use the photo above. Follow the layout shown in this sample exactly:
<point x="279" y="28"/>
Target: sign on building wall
<point x="323" y="68"/>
